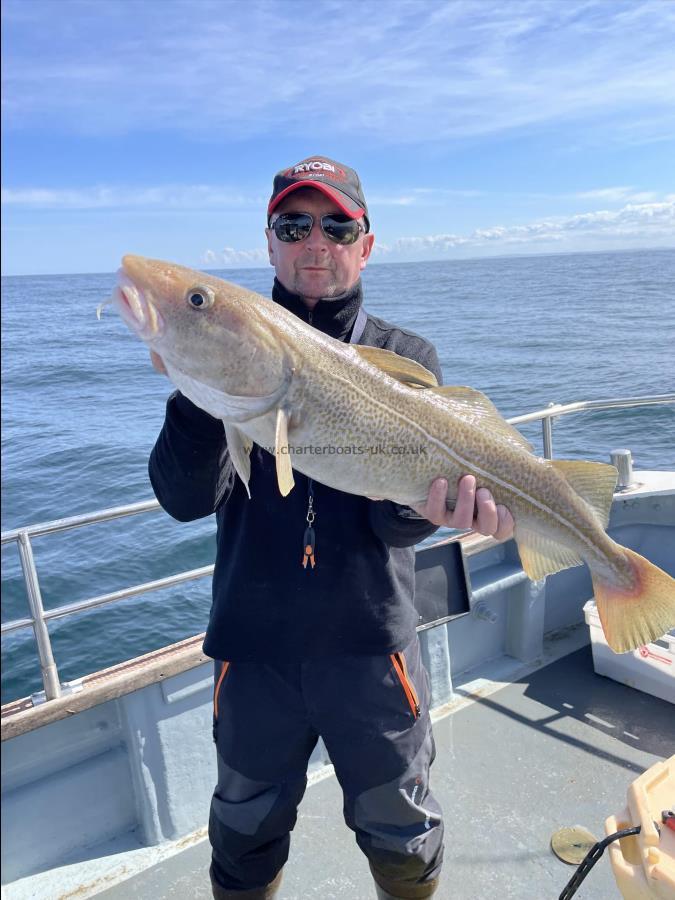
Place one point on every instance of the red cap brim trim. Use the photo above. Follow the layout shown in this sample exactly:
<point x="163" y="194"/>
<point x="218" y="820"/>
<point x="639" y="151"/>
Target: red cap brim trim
<point x="354" y="213"/>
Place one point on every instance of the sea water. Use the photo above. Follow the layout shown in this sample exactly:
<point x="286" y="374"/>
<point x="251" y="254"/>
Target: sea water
<point x="82" y="407"/>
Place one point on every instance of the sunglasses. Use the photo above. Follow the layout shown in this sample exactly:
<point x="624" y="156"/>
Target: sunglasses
<point x="293" y="227"/>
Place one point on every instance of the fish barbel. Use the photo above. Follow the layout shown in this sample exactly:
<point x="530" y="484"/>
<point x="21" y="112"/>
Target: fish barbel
<point x="369" y="422"/>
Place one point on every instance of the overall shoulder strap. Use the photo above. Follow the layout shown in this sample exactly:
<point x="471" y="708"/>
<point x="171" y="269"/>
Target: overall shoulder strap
<point x="359" y="325"/>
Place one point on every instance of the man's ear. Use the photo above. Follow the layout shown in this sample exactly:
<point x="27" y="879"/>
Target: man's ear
<point x="366" y="248"/>
<point x="270" y="246"/>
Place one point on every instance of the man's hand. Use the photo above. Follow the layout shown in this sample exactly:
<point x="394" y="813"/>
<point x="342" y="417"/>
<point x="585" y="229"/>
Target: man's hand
<point x="474" y="509"/>
<point x="158" y="363"/>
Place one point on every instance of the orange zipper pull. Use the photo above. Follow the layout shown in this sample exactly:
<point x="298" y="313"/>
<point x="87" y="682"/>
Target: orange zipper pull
<point x="309" y="540"/>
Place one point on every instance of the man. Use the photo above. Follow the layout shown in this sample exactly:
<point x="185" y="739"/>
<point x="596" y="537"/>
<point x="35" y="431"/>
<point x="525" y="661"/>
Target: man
<point x="312" y="624"/>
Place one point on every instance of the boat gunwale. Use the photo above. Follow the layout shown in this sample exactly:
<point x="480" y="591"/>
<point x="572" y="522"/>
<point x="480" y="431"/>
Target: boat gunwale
<point x="20" y="716"/>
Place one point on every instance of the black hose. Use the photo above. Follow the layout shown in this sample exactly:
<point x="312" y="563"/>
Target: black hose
<point x="590" y="860"/>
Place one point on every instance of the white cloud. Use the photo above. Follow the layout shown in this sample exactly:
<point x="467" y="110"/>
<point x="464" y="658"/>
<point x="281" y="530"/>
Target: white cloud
<point x="422" y="196"/>
<point x="635" y="224"/>
<point x="418" y="72"/>
<point x="228" y="256"/>
<point x="618" y="194"/>
<point x="108" y="197"/>
<point x="210" y="196"/>
<point x="200" y="196"/>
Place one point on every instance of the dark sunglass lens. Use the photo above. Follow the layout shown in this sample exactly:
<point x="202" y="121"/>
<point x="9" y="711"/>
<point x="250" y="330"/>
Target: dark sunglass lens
<point x="293" y="228"/>
<point x="342" y="230"/>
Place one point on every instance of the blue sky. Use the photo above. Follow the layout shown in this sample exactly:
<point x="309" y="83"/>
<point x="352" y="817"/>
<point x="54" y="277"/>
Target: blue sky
<point x="478" y="127"/>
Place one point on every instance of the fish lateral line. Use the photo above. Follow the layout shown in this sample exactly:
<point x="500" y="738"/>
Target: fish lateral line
<point x="471" y="468"/>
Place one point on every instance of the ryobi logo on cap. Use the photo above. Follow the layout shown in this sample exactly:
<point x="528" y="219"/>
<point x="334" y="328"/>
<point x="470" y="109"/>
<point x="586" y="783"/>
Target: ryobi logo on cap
<point x="316" y="167"/>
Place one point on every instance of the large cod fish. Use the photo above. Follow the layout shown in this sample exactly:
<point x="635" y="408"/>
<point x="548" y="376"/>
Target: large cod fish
<point x="275" y="380"/>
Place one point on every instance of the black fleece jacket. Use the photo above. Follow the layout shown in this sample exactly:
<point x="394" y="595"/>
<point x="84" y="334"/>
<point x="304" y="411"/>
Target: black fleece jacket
<point x="266" y="606"/>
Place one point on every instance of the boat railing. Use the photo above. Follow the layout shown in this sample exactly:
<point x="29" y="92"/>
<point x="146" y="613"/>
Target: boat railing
<point x="39" y="617"/>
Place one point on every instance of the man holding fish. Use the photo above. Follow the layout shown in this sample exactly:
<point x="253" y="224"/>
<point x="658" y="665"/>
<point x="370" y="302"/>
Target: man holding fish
<point x="313" y="623"/>
<point x="317" y="434"/>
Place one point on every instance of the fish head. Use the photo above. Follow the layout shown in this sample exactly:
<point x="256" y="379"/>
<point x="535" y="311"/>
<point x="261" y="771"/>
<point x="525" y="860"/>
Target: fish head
<point x="208" y="330"/>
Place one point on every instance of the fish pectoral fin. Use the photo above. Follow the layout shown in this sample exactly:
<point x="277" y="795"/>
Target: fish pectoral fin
<point x="227" y="475"/>
<point x="480" y="410"/>
<point x="239" y="448"/>
<point x="282" y="453"/>
<point x="542" y="556"/>
<point x="399" y="367"/>
<point x="221" y="405"/>
<point x="594" y="482"/>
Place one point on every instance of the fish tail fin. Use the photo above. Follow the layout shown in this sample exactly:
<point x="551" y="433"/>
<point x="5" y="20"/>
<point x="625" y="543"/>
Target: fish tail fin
<point x="634" y="617"/>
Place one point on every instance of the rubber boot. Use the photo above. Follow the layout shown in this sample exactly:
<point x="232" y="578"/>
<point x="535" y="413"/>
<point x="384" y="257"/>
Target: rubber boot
<point x="385" y="895"/>
<point x="391" y="890"/>
<point x="266" y="892"/>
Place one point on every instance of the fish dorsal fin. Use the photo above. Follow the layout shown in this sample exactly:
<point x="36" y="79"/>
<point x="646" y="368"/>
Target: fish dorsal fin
<point x="480" y="410"/>
<point x="282" y="453"/>
<point x="399" y="367"/>
<point x="594" y="482"/>
<point x="542" y="556"/>
<point x="239" y="449"/>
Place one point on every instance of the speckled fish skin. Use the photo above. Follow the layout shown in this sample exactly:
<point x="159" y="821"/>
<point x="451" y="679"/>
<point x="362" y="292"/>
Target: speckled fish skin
<point x="355" y="428"/>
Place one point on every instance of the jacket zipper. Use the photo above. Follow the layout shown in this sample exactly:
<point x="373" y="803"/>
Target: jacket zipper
<point x="398" y="662"/>
<point x="216" y="693"/>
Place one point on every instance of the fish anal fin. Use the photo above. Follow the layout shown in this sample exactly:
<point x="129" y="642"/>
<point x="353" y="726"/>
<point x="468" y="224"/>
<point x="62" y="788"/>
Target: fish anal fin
<point x="239" y="449"/>
<point x="594" y="482"/>
<point x="480" y="410"/>
<point x="399" y="367"/>
<point x="542" y="556"/>
<point x="633" y="618"/>
<point x="285" y="478"/>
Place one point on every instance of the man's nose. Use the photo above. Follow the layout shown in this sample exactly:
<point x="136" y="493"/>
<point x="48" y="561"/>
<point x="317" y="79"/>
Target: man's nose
<point x="317" y="240"/>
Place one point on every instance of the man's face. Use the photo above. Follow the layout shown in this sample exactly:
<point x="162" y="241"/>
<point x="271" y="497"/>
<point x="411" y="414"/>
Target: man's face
<point x="316" y="267"/>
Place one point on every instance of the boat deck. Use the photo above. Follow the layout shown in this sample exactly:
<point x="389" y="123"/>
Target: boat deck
<point x="557" y="747"/>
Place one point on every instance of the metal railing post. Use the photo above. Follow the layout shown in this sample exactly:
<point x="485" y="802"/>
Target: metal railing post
<point x="50" y="675"/>
<point x="547" y="434"/>
<point x="623" y="460"/>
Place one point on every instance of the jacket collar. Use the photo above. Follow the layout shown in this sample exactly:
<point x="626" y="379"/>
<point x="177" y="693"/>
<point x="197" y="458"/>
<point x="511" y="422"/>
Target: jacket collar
<point x="334" y="316"/>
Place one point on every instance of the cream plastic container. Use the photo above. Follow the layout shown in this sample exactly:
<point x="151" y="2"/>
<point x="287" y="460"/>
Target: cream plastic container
<point x="644" y="864"/>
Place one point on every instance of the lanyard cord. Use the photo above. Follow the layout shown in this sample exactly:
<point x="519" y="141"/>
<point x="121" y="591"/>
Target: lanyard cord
<point x="309" y="538"/>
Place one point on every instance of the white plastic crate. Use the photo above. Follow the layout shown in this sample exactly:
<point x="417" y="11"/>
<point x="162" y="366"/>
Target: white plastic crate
<point x="650" y="668"/>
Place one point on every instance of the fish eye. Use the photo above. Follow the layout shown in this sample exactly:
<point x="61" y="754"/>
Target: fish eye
<point x="200" y="297"/>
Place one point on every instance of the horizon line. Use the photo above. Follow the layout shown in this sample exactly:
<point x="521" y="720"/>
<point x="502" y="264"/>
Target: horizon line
<point x="384" y="262"/>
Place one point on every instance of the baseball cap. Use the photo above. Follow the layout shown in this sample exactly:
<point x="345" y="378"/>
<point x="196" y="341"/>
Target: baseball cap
<point x="332" y="178"/>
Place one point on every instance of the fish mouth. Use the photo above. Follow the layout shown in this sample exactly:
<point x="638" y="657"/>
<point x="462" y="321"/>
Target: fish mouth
<point x="136" y="308"/>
